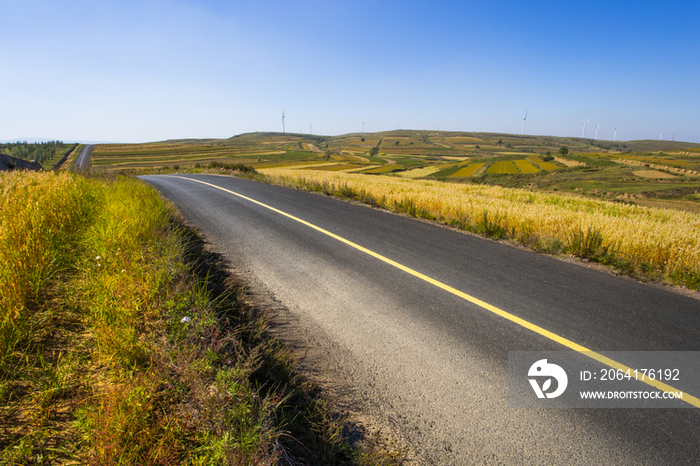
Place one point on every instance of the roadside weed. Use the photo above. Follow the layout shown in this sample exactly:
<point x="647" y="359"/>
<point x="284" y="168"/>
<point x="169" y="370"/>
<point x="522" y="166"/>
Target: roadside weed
<point x="123" y="341"/>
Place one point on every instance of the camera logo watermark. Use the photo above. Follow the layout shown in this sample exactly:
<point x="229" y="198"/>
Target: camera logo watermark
<point x="542" y="370"/>
<point x="604" y="379"/>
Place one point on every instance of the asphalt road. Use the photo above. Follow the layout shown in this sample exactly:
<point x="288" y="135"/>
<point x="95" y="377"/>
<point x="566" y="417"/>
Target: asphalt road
<point x="433" y="364"/>
<point x="81" y="163"/>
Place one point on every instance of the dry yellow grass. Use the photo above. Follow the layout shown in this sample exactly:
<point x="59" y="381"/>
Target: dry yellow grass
<point x="38" y="210"/>
<point x="96" y="278"/>
<point x="665" y="240"/>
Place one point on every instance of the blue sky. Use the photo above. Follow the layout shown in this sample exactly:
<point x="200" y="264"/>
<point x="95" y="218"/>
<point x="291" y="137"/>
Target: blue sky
<point x="141" y="70"/>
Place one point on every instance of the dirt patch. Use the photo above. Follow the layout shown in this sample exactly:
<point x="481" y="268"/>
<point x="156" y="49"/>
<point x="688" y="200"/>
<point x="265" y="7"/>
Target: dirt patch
<point x="569" y="163"/>
<point x="653" y="174"/>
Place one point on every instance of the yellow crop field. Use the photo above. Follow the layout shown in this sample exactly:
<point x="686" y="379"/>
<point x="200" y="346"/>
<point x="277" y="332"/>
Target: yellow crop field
<point x="469" y="170"/>
<point x="419" y="172"/>
<point x="363" y="168"/>
<point x="381" y="169"/>
<point x="337" y="167"/>
<point x="462" y="139"/>
<point x="502" y="168"/>
<point x="667" y="241"/>
<point x="542" y="164"/>
<point x="526" y="167"/>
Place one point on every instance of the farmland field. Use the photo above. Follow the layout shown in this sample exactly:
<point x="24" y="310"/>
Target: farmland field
<point x="384" y="169"/>
<point x="337" y="167"/>
<point x="419" y="172"/>
<point x="526" y="167"/>
<point x="469" y="170"/>
<point x="502" y="168"/>
<point x="600" y="169"/>
<point x="653" y="174"/>
<point x="541" y="163"/>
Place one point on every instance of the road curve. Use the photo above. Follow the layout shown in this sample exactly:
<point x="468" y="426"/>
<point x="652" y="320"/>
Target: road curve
<point x="81" y="161"/>
<point x="431" y="363"/>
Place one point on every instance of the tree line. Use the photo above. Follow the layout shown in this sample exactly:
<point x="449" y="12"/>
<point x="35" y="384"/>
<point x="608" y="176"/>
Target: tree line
<point x="39" y="152"/>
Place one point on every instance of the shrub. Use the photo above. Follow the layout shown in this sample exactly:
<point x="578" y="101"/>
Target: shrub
<point x="587" y="244"/>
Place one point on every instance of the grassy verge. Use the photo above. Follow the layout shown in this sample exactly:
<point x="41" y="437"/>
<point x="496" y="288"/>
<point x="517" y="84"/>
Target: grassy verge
<point x="644" y="242"/>
<point x="124" y="342"/>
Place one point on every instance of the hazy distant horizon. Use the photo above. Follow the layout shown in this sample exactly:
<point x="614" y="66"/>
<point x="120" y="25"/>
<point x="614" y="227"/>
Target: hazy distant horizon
<point x="295" y="133"/>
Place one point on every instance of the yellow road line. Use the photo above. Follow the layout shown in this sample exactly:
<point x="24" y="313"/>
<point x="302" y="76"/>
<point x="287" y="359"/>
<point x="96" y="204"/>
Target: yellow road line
<point x="484" y="305"/>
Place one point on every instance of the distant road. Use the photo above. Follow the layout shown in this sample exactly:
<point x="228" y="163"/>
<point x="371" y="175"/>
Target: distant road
<point x="81" y="162"/>
<point x="379" y="295"/>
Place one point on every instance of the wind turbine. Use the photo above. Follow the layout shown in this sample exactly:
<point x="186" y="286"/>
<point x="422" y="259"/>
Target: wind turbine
<point x="661" y="136"/>
<point x="584" y="127"/>
<point x="596" y="131"/>
<point x="363" y="126"/>
<point x="283" y="129"/>
<point x="311" y="128"/>
<point x="615" y="137"/>
<point x="524" y="119"/>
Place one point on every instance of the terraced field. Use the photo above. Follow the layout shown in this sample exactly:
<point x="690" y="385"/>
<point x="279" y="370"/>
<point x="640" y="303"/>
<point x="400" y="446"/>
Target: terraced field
<point x="419" y="172"/>
<point x="526" y="167"/>
<point x="336" y="167"/>
<point x="613" y="170"/>
<point x="542" y="164"/>
<point x="503" y="168"/>
<point x="467" y="171"/>
<point x="381" y="170"/>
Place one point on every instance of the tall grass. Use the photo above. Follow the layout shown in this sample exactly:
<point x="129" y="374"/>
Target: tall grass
<point x="41" y="213"/>
<point x="125" y="342"/>
<point x="643" y="241"/>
